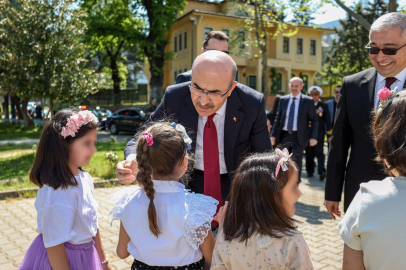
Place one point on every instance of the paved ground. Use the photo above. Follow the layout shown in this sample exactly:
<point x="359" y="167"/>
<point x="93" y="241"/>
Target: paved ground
<point x="18" y="223"/>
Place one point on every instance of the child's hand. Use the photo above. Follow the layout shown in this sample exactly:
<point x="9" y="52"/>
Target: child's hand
<point x="106" y="266"/>
<point x="219" y="217"/>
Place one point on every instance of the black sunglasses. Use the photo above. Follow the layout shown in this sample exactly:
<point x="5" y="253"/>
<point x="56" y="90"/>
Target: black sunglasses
<point x="227" y="52"/>
<point x="387" y="51"/>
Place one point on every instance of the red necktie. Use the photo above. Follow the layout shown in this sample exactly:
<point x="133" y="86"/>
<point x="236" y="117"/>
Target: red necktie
<point x="390" y="81"/>
<point x="212" y="184"/>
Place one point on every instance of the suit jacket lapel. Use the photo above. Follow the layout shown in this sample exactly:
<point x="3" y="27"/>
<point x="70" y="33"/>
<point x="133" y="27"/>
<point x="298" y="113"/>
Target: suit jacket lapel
<point x="301" y="101"/>
<point x="189" y="118"/>
<point x="368" y="89"/>
<point x="232" y="124"/>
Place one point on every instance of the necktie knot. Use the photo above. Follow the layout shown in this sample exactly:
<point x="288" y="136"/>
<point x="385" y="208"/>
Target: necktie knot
<point x="389" y="81"/>
<point x="210" y="118"/>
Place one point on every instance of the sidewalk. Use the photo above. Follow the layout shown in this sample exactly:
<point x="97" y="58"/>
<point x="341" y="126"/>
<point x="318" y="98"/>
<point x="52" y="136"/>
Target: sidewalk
<point x="18" y="224"/>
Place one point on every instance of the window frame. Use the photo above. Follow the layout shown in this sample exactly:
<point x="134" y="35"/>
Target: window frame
<point x="205" y="34"/>
<point x="297" y="45"/>
<point x="315" y="47"/>
<point x="175" y="43"/>
<point x="185" y="39"/>
<point x="288" y="44"/>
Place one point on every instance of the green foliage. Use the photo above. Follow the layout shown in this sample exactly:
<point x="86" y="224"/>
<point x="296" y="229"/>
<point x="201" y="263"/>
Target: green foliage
<point x="347" y="55"/>
<point x="10" y="131"/>
<point x="41" y="53"/>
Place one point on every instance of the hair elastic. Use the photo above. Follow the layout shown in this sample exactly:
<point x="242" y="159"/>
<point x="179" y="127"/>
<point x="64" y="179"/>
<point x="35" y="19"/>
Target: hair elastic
<point x="186" y="139"/>
<point x="283" y="158"/>
<point x="148" y="137"/>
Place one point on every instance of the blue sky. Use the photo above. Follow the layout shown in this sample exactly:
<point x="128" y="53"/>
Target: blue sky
<point x="333" y="13"/>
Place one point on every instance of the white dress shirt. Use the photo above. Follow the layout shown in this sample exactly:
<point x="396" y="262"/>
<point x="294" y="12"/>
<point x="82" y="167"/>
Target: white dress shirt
<point x="67" y="215"/>
<point x="218" y="120"/>
<point x="380" y="83"/>
<point x="297" y="101"/>
<point x="184" y="220"/>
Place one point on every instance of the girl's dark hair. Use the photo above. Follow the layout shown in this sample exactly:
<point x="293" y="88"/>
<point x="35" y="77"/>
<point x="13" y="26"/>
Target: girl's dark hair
<point x="51" y="164"/>
<point x="161" y="158"/>
<point x="256" y="204"/>
<point x="389" y="134"/>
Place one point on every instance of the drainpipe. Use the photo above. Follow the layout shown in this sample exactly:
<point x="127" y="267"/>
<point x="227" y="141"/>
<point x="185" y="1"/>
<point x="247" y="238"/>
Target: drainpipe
<point x="193" y="21"/>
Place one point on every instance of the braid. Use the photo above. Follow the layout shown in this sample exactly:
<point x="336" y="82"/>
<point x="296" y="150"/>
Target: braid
<point x="144" y="178"/>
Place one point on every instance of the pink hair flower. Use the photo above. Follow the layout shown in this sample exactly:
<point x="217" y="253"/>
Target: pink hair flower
<point x="76" y="121"/>
<point x="148" y="137"/>
<point x="384" y="93"/>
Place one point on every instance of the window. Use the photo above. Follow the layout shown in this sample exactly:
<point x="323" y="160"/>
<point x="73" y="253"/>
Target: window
<point x="175" y="74"/>
<point x="133" y="113"/>
<point x="226" y="31"/>
<point x="185" y="40"/>
<point x="252" y="81"/>
<point x="207" y="30"/>
<point x="185" y="69"/>
<point x="285" y="45"/>
<point x="312" y="47"/>
<point x="175" y="44"/>
<point x="123" y="112"/>
<point x="293" y="75"/>
<point x="180" y="41"/>
<point x="299" y="46"/>
<point x="241" y="38"/>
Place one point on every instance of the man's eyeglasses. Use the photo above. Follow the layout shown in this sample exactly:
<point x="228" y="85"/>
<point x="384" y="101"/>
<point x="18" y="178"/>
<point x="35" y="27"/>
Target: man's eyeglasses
<point x="387" y="51"/>
<point x="227" y="52"/>
<point x="211" y="95"/>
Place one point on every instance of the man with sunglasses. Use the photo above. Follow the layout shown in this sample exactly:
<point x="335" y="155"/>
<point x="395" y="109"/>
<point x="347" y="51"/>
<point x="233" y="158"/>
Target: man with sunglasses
<point x="215" y="40"/>
<point x="225" y="120"/>
<point x="387" y="53"/>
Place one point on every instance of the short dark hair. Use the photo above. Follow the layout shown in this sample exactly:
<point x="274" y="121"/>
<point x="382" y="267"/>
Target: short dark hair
<point x="337" y="86"/>
<point x="256" y="201"/>
<point x="389" y="129"/>
<point x="51" y="164"/>
<point x="216" y="35"/>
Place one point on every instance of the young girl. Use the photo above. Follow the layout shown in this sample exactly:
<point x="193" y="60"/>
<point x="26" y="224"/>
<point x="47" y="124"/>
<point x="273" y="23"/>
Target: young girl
<point x="258" y="230"/>
<point x="373" y="228"/>
<point x="163" y="226"/>
<point x="66" y="207"/>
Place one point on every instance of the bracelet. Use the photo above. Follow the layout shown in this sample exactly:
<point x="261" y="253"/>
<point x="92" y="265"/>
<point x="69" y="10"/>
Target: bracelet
<point x="104" y="262"/>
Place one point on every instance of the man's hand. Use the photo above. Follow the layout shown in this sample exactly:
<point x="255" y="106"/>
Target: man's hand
<point x="127" y="170"/>
<point x="273" y="140"/>
<point x="312" y="142"/>
<point x="332" y="208"/>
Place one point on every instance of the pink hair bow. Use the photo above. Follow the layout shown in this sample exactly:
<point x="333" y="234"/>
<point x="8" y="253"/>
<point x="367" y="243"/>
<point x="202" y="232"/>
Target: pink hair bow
<point x="283" y="158"/>
<point x="148" y="137"/>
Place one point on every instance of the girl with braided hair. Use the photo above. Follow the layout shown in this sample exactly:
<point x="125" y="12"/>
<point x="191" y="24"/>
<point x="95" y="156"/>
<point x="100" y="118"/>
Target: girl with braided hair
<point x="163" y="226"/>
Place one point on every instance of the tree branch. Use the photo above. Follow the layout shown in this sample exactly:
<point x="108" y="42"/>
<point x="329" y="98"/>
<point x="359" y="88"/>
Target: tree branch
<point x="357" y="16"/>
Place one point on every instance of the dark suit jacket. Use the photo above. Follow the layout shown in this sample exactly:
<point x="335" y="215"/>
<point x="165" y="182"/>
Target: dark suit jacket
<point x="352" y="129"/>
<point x="184" y="77"/>
<point x="325" y="126"/>
<point x="245" y="123"/>
<point x="330" y="105"/>
<point x="307" y="121"/>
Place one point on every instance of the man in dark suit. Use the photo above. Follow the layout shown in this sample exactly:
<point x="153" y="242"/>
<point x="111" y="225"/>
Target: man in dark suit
<point x="211" y="100"/>
<point x="332" y="103"/>
<point x="324" y="129"/>
<point x="215" y="40"/>
<point x="358" y="100"/>
<point x="295" y="122"/>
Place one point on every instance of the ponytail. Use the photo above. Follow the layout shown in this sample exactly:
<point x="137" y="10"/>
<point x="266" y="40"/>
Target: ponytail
<point x="144" y="178"/>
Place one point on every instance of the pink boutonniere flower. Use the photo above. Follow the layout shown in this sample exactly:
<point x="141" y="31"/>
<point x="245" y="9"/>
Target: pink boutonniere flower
<point x="384" y="93"/>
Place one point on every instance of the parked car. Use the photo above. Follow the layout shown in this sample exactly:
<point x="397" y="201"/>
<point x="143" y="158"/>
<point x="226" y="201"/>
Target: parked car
<point x="102" y="115"/>
<point x="129" y="119"/>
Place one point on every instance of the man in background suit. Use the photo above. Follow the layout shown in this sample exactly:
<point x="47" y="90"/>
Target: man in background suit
<point x="212" y="100"/>
<point x="387" y="53"/>
<point x="324" y="129"/>
<point x="295" y="122"/>
<point x="215" y="40"/>
<point x="332" y="103"/>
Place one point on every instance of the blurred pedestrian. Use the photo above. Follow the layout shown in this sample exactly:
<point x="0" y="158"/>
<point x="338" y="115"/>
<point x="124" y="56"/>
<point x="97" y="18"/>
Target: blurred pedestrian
<point x="332" y="103"/>
<point x="152" y="107"/>
<point x="271" y="115"/>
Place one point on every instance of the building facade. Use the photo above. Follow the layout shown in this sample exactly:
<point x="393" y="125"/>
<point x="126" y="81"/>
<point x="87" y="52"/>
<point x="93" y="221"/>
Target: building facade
<point x="298" y="55"/>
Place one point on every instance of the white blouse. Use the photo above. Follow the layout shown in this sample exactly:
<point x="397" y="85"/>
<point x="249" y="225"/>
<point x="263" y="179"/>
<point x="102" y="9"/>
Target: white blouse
<point x="67" y="215"/>
<point x="184" y="220"/>
<point x="375" y="223"/>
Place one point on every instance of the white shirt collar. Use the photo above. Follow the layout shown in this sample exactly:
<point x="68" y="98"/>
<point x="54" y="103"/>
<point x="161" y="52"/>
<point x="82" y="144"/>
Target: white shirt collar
<point x="298" y="97"/>
<point x="164" y="186"/>
<point x="401" y="76"/>
<point x="222" y="110"/>
<point x="315" y="104"/>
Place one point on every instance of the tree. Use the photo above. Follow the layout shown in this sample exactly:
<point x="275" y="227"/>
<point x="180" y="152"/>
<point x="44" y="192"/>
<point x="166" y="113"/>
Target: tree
<point x="347" y="55"/>
<point x="112" y="29"/>
<point x="303" y="12"/>
<point x="41" y="54"/>
<point x="392" y="7"/>
<point x="161" y="15"/>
